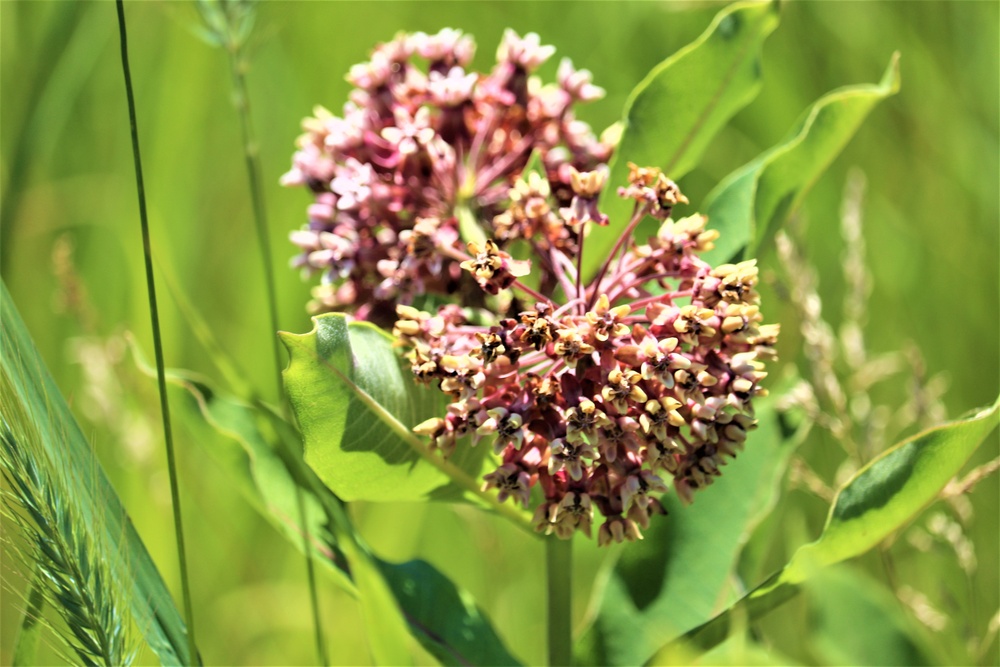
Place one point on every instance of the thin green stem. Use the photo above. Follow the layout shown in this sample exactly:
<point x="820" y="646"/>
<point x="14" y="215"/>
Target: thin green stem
<point x="558" y="577"/>
<point x="579" y="273"/>
<point x="251" y="154"/>
<point x="252" y="158"/>
<point x="154" y="317"/>
<point x="311" y="575"/>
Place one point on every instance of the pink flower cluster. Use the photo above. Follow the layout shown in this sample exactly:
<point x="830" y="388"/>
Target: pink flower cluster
<point x="644" y="374"/>
<point x="594" y="393"/>
<point x="423" y="143"/>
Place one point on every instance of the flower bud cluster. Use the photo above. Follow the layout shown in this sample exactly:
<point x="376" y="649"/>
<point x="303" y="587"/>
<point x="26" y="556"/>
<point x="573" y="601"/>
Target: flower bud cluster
<point x="643" y="376"/>
<point x="421" y="140"/>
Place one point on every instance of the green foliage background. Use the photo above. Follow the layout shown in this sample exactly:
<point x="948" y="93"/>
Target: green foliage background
<point x="930" y="156"/>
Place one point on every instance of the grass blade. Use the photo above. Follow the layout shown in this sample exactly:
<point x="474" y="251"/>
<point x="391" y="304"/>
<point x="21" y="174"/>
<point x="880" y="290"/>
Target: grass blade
<point x="231" y="22"/>
<point x="157" y="342"/>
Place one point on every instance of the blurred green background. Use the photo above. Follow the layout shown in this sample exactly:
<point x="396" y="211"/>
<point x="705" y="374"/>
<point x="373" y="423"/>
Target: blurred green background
<point x="71" y="256"/>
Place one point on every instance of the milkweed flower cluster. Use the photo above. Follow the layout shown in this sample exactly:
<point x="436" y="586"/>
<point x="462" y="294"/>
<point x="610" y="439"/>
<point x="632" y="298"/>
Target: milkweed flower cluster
<point x="594" y="394"/>
<point x="422" y="143"/>
<point x="645" y="374"/>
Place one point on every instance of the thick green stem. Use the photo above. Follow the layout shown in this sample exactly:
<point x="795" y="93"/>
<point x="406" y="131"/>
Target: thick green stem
<point x="154" y="317"/>
<point x="558" y="576"/>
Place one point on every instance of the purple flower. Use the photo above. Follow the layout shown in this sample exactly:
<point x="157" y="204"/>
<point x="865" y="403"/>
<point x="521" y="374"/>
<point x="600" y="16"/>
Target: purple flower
<point x="433" y="140"/>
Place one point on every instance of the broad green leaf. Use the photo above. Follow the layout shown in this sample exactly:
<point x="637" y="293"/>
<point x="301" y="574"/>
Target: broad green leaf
<point x="34" y="392"/>
<point x="881" y="498"/>
<point x="457" y="632"/>
<point x="676" y="577"/>
<point x="751" y="203"/>
<point x="673" y="114"/>
<point x="356" y="403"/>
<point x="855" y="621"/>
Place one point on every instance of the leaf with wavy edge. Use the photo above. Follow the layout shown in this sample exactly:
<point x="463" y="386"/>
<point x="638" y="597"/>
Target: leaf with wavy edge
<point x="881" y="498"/>
<point x="673" y="114"/>
<point x="749" y="204"/>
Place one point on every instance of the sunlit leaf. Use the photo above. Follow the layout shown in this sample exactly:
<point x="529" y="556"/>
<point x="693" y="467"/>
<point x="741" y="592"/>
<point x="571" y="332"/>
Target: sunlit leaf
<point x="751" y="203"/>
<point x="675" y="578"/>
<point x="881" y="498"/>
<point x="34" y="391"/>
<point x="356" y="403"/>
<point x="671" y="116"/>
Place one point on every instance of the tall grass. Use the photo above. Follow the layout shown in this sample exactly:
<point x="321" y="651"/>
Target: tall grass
<point x="157" y="342"/>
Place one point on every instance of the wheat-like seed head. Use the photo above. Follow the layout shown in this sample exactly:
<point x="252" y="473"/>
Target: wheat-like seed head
<point x="79" y="576"/>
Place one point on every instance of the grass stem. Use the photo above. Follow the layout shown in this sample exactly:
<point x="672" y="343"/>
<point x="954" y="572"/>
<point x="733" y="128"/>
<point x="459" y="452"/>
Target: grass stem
<point x="237" y="66"/>
<point x="157" y="342"/>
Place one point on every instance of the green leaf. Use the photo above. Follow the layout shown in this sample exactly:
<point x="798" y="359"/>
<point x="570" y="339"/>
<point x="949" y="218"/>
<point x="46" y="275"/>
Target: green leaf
<point x="35" y="394"/>
<point x="676" y="577"/>
<point x="442" y="617"/>
<point x="881" y="498"/>
<point x="856" y="621"/>
<point x="456" y="632"/>
<point x="249" y="452"/>
<point x="673" y="114"/>
<point x="356" y="405"/>
<point x="749" y="205"/>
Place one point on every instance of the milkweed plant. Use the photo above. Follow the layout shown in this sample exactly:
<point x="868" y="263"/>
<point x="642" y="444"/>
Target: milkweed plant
<point x="518" y="315"/>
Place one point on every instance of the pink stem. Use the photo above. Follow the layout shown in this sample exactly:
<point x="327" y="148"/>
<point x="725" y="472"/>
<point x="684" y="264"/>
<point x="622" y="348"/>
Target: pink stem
<point x="643" y="281"/>
<point x="559" y="269"/>
<point x="637" y="216"/>
<point x="518" y="285"/>
<point x="617" y="278"/>
<point x="484" y="179"/>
